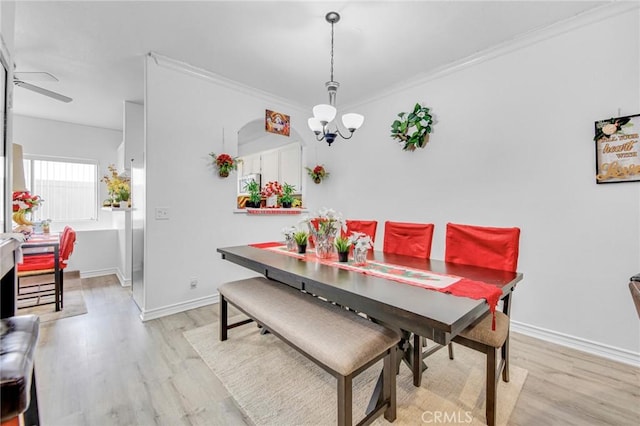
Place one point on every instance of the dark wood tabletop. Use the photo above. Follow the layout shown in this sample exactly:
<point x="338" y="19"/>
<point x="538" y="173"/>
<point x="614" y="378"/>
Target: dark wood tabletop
<point x="433" y="314"/>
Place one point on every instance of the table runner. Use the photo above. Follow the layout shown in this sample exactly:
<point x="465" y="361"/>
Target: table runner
<point x="458" y="286"/>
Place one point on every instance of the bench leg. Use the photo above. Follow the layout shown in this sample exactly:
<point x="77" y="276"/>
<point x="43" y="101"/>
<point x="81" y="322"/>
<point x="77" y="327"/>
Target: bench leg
<point x="344" y="400"/>
<point x="223" y="318"/>
<point x="389" y="385"/>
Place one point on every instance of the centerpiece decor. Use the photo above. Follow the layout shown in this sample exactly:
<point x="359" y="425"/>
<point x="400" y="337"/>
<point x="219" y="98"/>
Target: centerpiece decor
<point x="342" y="246"/>
<point x="317" y="173"/>
<point x="225" y="163"/>
<point x="118" y="188"/>
<point x="24" y="203"/>
<point x="289" y="232"/>
<point x="323" y="229"/>
<point x="271" y="191"/>
<point x="419" y="120"/>
<point x="301" y="238"/>
<point x="361" y="244"/>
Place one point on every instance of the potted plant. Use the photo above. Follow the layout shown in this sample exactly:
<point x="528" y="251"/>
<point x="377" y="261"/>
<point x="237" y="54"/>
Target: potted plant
<point x="286" y="199"/>
<point x="301" y="238"/>
<point x="342" y="246"/>
<point x="361" y="244"/>
<point x="255" y="198"/>
<point x="225" y="163"/>
<point x="317" y="173"/>
<point x="418" y="122"/>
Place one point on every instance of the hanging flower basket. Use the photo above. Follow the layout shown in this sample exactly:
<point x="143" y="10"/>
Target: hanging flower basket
<point x="225" y="164"/>
<point x="317" y="173"/>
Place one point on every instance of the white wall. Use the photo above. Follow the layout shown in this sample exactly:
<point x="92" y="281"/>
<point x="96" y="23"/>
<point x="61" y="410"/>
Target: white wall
<point x="184" y="119"/>
<point x="513" y="146"/>
<point x="96" y="250"/>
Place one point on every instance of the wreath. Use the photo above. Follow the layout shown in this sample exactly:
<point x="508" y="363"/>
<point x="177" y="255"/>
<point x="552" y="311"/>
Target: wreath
<point x="413" y="128"/>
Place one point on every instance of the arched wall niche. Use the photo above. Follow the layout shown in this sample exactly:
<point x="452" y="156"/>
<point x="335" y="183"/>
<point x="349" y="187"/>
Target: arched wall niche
<point x="252" y="138"/>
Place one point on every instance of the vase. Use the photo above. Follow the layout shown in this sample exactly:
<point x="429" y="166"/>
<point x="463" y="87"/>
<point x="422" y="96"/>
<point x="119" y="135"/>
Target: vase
<point x="223" y="173"/>
<point x="291" y="243"/>
<point x="272" y="201"/>
<point x="286" y="205"/>
<point x="302" y="248"/>
<point x="343" y="256"/>
<point x="360" y="255"/>
<point x="323" y="239"/>
<point x="317" y="180"/>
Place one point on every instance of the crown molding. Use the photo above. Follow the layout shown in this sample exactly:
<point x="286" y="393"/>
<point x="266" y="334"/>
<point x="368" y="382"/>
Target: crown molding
<point x="532" y="37"/>
<point x="212" y="77"/>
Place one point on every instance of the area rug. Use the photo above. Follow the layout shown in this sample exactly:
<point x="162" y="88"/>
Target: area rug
<point x="73" y="299"/>
<point x="275" y="385"/>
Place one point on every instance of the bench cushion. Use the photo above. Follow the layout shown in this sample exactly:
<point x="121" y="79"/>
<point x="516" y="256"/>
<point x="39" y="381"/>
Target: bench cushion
<point x="341" y="340"/>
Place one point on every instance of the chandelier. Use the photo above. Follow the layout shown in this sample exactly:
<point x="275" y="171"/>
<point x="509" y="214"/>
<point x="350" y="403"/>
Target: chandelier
<point x="323" y="114"/>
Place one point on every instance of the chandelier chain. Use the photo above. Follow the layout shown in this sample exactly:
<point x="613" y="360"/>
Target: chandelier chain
<point x="332" y="51"/>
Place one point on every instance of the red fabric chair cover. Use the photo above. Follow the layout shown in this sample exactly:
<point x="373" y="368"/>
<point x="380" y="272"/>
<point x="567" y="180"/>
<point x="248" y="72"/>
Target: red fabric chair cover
<point x="47" y="261"/>
<point x="489" y="247"/>
<point x="410" y="239"/>
<point x="367" y="227"/>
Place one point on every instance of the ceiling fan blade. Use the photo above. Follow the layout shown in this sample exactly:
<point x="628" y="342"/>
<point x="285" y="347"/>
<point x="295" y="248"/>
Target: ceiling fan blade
<point x="42" y="91"/>
<point x="34" y="76"/>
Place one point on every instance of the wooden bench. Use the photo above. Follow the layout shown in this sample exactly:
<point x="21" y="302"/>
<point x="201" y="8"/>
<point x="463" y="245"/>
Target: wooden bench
<point x="341" y="342"/>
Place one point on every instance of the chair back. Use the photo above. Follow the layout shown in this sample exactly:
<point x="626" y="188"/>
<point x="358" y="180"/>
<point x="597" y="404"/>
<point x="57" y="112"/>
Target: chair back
<point x="67" y="242"/>
<point x="410" y="239"/>
<point x="367" y="227"/>
<point x="488" y="247"/>
<point x="634" y="286"/>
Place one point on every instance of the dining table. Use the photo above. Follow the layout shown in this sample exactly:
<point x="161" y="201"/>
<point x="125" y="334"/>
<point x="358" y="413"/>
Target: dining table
<point x="46" y="243"/>
<point x="411" y="310"/>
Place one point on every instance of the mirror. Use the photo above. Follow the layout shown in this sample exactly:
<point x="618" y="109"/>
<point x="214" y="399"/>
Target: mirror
<point x="268" y="157"/>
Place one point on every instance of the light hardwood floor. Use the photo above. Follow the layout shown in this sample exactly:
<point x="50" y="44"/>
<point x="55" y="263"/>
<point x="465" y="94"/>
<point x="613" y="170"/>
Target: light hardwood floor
<point x="109" y="368"/>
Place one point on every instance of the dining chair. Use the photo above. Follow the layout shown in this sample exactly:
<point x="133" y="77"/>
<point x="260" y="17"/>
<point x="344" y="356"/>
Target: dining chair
<point x="495" y="248"/>
<point x="367" y="227"/>
<point x="44" y="264"/>
<point x="409" y="239"/>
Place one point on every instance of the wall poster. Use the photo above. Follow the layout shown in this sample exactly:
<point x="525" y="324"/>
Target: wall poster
<point x="277" y="122"/>
<point x="618" y="149"/>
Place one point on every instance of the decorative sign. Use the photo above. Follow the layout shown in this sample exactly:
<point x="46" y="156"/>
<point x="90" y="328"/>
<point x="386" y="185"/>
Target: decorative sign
<point x="618" y="149"/>
<point x="277" y="122"/>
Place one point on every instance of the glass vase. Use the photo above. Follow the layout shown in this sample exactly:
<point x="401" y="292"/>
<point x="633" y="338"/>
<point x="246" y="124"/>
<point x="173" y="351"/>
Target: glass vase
<point x="291" y="243"/>
<point x="360" y="255"/>
<point x="323" y="239"/>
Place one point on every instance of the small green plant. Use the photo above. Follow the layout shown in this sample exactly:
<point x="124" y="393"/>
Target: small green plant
<point x="253" y="189"/>
<point x="419" y="119"/>
<point x="287" y="193"/>
<point x="342" y="244"/>
<point x="301" y="237"/>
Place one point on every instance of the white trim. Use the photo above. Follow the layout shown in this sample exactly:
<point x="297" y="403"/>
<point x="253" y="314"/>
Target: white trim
<point x="98" y="273"/>
<point x="203" y="74"/>
<point x="179" y="307"/>
<point x="124" y="282"/>
<point x="610" y="352"/>
<point x="589" y="17"/>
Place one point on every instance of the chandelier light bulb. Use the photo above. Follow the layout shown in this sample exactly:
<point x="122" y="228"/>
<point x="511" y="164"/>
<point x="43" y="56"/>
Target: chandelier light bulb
<point x="352" y="121"/>
<point x="324" y="113"/>
<point x="315" y="125"/>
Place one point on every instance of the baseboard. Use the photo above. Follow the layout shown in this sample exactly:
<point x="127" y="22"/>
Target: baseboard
<point x="98" y="273"/>
<point x="588" y="346"/>
<point x="124" y="282"/>
<point x="178" y="307"/>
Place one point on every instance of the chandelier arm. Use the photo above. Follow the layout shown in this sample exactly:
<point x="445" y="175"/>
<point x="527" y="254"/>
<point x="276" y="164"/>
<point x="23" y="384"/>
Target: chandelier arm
<point x="343" y="136"/>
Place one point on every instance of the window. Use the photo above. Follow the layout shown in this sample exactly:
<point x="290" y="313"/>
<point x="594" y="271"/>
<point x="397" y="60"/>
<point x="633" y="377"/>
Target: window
<point x="69" y="188"/>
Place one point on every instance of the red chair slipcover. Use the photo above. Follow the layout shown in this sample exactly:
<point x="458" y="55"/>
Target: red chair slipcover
<point x="47" y="261"/>
<point x="489" y="247"/>
<point x="367" y="227"/>
<point x="410" y="239"/>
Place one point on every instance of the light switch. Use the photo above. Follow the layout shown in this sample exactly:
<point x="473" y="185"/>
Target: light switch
<point x="162" y="213"/>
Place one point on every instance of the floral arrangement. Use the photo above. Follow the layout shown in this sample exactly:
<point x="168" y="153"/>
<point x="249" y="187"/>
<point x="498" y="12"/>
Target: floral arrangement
<point x="323" y="228"/>
<point x="317" y="173"/>
<point x="272" y="188"/>
<point x="413" y="128"/>
<point x="25" y="202"/>
<point x="360" y="241"/>
<point x="225" y="163"/>
<point x="117" y="184"/>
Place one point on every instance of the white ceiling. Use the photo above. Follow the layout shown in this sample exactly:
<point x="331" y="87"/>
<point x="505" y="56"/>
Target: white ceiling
<point x="96" y="49"/>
